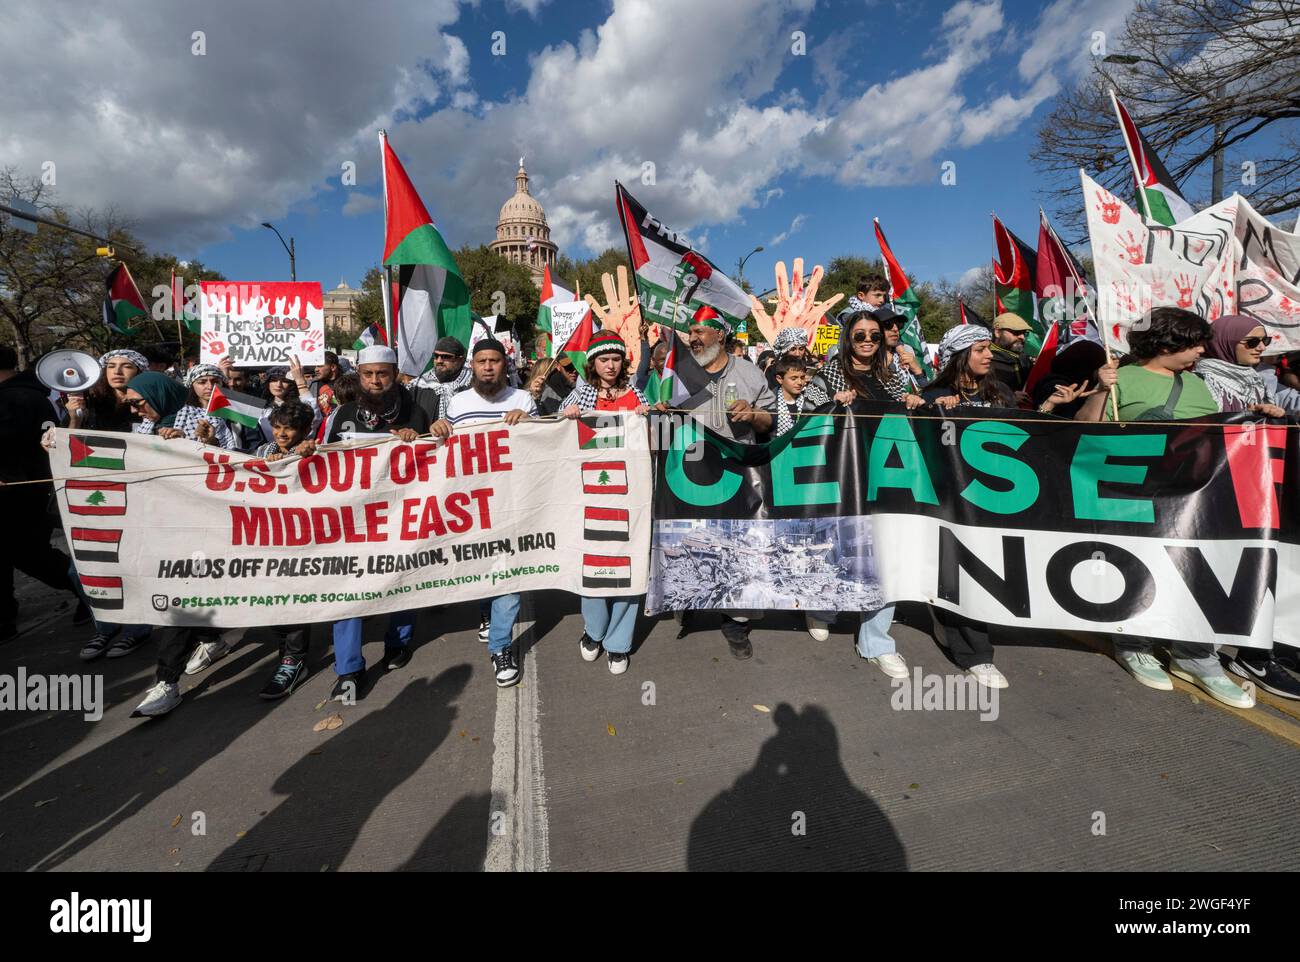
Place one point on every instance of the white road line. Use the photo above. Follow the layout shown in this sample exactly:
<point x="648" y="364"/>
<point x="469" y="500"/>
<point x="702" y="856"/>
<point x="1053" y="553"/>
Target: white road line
<point x="517" y="830"/>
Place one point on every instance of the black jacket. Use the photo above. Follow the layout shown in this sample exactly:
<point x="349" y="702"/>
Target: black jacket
<point x="25" y="413"/>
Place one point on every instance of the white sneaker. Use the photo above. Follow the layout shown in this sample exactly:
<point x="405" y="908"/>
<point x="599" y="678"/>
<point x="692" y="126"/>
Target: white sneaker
<point x="207" y="654"/>
<point x="893" y="665"/>
<point x="590" y="650"/>
<point x="483" y="630"/>
<point x="1218" y="685"/>
<point x="819" y="630"/>
<point x="1145" y="668"/>
<point x="160" y="699"/>
<point x="617" y="662"/>
<point x="989" y="676"/>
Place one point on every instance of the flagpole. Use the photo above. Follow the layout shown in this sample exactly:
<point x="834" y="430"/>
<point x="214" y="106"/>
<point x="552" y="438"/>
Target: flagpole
<point x="385" y="275"/>
<point x="180" y="337"/>
<point x="1101" y="327"/>
<point x="1132" y="157"/>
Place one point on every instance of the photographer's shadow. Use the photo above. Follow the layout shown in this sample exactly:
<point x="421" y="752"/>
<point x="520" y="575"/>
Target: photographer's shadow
<point x="795" y="810"/>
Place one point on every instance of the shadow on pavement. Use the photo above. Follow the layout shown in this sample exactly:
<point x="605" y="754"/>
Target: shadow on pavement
<point x="458" y="843"/>
<point x="753" y="825"/>
<point x="332" y="792"/>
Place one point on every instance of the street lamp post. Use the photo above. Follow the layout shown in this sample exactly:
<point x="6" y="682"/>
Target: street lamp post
<point x="1216" y="175"/>
<point x="740" y="265"/>
<point x="293" y="267"/>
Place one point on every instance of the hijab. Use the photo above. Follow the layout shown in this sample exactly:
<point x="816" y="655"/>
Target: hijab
<point x="165" y="395"/>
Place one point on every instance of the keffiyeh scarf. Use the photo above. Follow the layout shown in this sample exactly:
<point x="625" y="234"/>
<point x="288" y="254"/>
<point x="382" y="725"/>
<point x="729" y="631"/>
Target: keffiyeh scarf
<point x="1235" y="386"/>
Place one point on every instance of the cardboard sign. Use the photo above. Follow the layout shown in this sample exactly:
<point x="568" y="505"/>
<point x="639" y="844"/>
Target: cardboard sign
<point x="259" y="324"/>
<point x="827" y="336"/>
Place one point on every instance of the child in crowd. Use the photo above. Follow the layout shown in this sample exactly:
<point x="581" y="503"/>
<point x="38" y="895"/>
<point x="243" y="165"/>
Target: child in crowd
<point x="290" y="432"/>
<point x="794" y="393"/>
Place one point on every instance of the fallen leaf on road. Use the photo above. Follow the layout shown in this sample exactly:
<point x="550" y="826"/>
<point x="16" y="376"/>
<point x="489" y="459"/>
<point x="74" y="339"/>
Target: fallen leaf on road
<point x="681" y="781"/>
<point x="316" y="751"/>
<point x="328" y="723"/>
<point x="176" y="821"/>
<point x="320" y="705"/>
<point x="240" y="834"/>
<point x="914" y="786"/>
<point x="325" y="867"/>
<point x="46" y="801"/>
<point x="762" y="708"/>
<point x="462" y="734"/>
<point x="173" y="851"/>
<point x="474" y="739"/>
<point x="611" y="729"/>
<point x="160" y="771"/>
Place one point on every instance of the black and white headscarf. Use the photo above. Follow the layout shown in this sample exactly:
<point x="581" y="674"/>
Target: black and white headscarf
<point x="585" y="397"/>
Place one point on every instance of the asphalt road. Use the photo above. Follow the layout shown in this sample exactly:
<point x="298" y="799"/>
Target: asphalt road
<point x="796" y="759"/>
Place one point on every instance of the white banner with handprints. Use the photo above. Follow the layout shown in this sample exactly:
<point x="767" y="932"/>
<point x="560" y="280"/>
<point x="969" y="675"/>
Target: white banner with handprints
<point x="259" y="324"/>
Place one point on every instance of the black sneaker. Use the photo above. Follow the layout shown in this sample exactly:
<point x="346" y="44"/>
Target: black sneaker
<point x="97" y="645"/>
<point x="506" y="668"/>
<point x="483" y="627"/>
<point x="350" y="687"/>
<point x="80" y="614"/>
<point x="289" y="674"/>
<point x="124" y="646"/>
<point x="395" y="658"/>
<point x="590" y="650"/>
<point x="737" y="635"/>
<point x="1267" y="674"/>
<point x="1287" y="657"/>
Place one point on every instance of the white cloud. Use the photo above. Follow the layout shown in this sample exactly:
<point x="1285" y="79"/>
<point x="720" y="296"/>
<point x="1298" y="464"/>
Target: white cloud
<point x="970" y="277"/>
<point x="359" y="203"/>
<point x="794" y="228"/>
<point x="1063" y="36"/>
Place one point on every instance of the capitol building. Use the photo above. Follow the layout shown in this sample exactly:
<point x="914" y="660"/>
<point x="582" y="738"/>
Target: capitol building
<point x="523" y="236"/>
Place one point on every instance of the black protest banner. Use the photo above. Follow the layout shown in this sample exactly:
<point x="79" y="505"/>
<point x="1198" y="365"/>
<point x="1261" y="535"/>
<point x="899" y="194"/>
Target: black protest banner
<point x="1185" y="531"/>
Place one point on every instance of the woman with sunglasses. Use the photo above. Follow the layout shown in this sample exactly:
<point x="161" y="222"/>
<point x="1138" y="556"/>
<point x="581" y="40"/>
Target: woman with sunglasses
<point x="1229" y="366"/>
<point x="861" y="369"/>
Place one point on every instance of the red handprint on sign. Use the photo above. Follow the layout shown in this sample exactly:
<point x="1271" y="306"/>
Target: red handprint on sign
<point x="1108" y="206"/>
<point x="213" y="343"/>
<point x="1157" y="286"/>
<point x="1288" y="307"/>
<point x="1122" y="295"/>
<point x="1184" y="285"/>
<point x="310" y="343"/>
<point x="1132" y="247"/>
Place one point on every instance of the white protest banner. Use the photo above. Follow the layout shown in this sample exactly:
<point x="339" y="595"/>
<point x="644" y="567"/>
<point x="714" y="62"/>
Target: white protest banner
<point x="259" y="324"/>
<point x="1226" y="259"/>
<point x="565" y="319"/>
<point x="196" y="535"/>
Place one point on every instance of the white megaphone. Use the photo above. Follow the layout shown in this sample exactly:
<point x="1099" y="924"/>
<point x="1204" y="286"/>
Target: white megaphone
<point x="68" y="371"/>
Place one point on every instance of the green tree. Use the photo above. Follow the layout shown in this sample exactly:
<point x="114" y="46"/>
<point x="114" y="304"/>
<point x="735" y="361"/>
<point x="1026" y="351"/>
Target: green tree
<point x="498" y="286"/>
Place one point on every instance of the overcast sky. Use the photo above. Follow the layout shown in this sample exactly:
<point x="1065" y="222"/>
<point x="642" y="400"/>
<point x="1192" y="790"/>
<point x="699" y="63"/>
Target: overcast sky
<point x="756" y="136"/>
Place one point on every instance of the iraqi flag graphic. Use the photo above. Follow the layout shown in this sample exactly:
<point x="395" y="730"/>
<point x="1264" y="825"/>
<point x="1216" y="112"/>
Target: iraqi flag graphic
<point x="96" y="544"/>
<point x="604" y="477"/>
<point x="102" y="592"/>
<point x="605" y="524"/>
<point x="606" y="571"/>
<point x="96" y="497"/>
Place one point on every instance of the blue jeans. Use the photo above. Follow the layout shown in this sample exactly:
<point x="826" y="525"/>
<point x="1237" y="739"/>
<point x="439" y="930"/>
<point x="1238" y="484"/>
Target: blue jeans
<point x="874" y="638"/>
<point x="108" y="629"/>
<point x="501" y="613"/>
<point x="347" y="639"/>
<point x="611" y="622"/>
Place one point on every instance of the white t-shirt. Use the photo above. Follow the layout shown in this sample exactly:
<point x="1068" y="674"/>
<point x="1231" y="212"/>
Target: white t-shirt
<point x="470" y="407"/>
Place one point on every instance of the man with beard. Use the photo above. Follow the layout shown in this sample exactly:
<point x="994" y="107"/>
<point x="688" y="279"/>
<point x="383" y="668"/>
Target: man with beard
<point x="490" y="398"/>
<point x="1010" y="366"/>
<point x="433" y="390"/>
<point x="735" y="403"/>
<point x="382" y="408"/>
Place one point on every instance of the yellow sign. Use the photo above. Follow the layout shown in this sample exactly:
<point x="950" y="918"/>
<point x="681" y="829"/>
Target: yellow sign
<point x="828" y="335"/>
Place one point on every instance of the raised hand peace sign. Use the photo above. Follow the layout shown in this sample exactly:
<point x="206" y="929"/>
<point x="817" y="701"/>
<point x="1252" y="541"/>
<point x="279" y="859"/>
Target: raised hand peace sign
<point x="796" y="305"/>
<point x="621" y="313"/>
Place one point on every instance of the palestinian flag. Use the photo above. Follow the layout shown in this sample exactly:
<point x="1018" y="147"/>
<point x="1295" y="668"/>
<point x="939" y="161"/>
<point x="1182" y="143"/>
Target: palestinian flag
<point x="180" y="310"/>
<point x="604" y="477"/>
<point x="105" y="452"/>
<point x="372" y="335"/>
<point x="600" y="431"/>
<point x="123" y="306"/>
<point x="606" y="571"/>
<point x="904" y="300"/>
<point x="576" y="344"/>
<point x="238" y="408"/>
<point x="96" y="544"/>
<point x="95" y="497"/>
<point x="1014" y="264"/>
<point x="551" y="294"/>
<point x="967" y="316"/>
<point x="682" y="378"/>
<point x="1157" y="192"/>
<point x="667" y="271"/>
<point x="1062" y="300"/>
<point x="430" y="298"/>
<point x="102" y="592"/>
<point x="606" y="524"/>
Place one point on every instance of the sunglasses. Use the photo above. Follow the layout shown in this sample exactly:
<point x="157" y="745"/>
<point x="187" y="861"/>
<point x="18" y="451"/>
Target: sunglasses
<point x="444" y="357"/>
<point x="136" y="403"/>
<point x="566" y="368"/>
<point x="1254" y="342"/>
<point x="892" y="322"/>
<point x="860" y="336"/>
